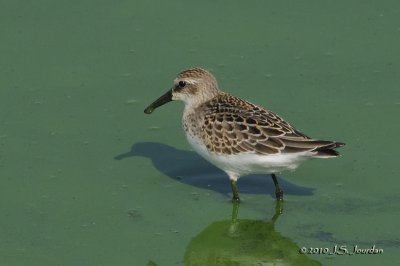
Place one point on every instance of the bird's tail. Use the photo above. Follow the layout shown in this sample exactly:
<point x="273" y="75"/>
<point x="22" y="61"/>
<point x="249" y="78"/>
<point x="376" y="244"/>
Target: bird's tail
<point x="328" y="151"/>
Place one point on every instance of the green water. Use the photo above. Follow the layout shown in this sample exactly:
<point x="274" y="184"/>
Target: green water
<point x="86" y="178"/>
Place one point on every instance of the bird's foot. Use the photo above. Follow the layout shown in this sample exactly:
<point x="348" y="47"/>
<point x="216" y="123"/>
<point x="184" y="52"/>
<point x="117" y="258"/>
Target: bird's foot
<point x="235" y="199"/>
<point x="279" y="195"/>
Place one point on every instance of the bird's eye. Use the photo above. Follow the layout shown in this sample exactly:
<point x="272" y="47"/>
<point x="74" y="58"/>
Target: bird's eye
<point x="181" y="84"/>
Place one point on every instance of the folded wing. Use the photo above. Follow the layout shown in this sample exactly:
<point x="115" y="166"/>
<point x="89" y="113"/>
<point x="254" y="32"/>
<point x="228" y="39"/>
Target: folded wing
<point x="234" y="126"/>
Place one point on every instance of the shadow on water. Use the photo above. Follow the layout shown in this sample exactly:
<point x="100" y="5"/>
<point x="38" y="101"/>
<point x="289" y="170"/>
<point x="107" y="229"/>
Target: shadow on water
<point x="189" y="168"/>
<point x="244" y="242"/>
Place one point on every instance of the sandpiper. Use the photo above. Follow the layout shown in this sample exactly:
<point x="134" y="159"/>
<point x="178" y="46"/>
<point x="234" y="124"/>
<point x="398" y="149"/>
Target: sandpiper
<point x="237" y="136"/>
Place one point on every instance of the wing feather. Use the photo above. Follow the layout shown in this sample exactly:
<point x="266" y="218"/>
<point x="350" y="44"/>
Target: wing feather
<point x="234" y="126"/>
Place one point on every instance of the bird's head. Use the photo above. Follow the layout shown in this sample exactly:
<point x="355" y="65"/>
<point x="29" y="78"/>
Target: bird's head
<point x="192" y="86"/>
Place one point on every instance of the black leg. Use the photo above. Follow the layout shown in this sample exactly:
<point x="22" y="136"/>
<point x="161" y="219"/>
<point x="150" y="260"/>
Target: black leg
<point x="235" y="192"/>
<point x="278" y="190"/>
<point x="278" y="210"/>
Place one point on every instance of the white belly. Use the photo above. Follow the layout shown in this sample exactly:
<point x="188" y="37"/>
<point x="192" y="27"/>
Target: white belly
<point x="248" y="163"/>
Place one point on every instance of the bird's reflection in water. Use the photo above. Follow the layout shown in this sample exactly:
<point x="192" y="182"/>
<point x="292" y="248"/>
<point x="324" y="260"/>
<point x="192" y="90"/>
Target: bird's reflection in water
<point x="244" y="242"/>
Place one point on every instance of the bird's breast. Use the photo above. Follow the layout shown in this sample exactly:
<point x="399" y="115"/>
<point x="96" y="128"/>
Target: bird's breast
<point x="192" y="126"/>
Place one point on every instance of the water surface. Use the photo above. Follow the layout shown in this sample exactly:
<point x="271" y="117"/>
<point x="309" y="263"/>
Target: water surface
<point x="86" y="178"/>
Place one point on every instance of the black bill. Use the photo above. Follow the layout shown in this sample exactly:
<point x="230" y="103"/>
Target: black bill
<point x="160" y="101"/>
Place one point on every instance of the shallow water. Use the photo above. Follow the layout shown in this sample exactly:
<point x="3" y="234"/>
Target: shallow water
<point x="86" y="178"/>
